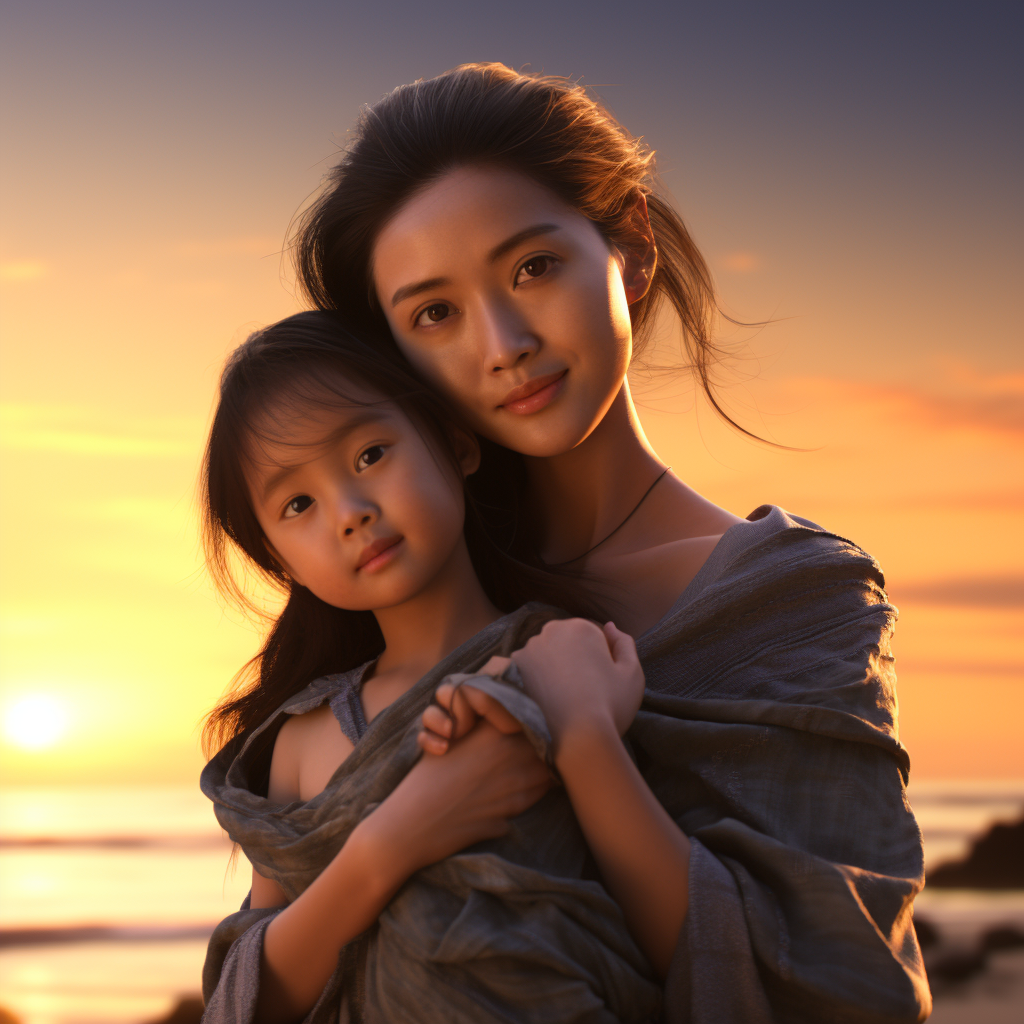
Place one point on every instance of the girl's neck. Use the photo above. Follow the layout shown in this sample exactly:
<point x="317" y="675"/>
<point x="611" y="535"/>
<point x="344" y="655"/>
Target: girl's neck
<point x="421" y="631"/>
<point x="583" y="494"/>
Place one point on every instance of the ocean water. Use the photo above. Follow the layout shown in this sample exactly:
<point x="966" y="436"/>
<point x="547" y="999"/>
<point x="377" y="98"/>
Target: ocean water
<point x="107" y="894"/>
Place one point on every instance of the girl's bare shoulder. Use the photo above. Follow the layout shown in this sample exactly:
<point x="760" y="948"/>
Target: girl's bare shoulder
<point x="308" y="750"/>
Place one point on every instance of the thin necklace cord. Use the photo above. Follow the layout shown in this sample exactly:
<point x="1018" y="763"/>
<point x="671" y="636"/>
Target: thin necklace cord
<point x="635" y="509"/>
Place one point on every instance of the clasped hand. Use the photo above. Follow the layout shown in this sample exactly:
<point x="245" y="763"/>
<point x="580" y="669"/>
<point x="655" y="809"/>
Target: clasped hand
<point x="478" y="770"/>
<point x="582" y="676"/>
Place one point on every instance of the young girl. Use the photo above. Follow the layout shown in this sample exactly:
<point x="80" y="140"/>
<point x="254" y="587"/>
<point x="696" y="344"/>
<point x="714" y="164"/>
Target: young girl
<point x="506" y="231"/>
<point x="340" y="478"/>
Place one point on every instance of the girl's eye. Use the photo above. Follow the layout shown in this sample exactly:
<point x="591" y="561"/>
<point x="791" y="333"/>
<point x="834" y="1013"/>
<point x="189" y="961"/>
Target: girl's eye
<point x="535" y="266"/>
<point x="297" y="506"/>
<point x="435" y="314"/>
<point x="370" y="456"/>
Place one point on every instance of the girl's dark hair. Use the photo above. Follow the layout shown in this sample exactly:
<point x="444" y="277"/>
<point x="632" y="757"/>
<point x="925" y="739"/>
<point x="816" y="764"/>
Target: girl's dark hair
<point x="547" y="128"/>
<point x="308" y="360"/>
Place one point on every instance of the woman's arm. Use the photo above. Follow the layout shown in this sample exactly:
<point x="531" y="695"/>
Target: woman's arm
<point x="589" y="684"/>
<point x="442" y="806"/>
<point x="643" y="854"/>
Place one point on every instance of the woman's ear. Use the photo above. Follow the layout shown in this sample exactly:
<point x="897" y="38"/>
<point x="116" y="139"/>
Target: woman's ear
<point x="638" y="256"/>
<point x="467" y="450"/>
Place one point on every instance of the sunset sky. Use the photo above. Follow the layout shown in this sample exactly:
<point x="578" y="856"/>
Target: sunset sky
<point x="852" y="173"/>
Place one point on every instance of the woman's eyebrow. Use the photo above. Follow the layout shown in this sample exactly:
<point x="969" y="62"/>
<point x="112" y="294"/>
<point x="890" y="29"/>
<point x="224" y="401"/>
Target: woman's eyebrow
<point x="408" y="290"/>
<point x="501" y="249"/>
<point x="518" y="238"/>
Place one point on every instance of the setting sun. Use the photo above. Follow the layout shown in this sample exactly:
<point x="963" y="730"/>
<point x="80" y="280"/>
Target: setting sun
<point x="35" y="722"/>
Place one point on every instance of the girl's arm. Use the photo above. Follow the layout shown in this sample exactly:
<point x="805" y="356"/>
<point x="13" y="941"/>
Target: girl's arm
<point x="442" y="806"/>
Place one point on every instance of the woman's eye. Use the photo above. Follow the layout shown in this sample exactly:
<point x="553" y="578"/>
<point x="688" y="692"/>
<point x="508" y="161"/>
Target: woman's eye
<point x="435" y="314"/>
<point x="535" y="266"/>
<point x="370" y="456"/>
<point x="297" y="505"/>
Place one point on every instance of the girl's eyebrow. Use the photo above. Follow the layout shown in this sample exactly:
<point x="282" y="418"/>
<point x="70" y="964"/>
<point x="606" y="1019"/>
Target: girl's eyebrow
<point x="361" y="419"/>
<point x="408" y="290"/>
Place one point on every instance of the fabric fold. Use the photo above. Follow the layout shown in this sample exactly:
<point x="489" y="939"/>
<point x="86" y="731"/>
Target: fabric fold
<point x="768" y="732"/>
<point x="510" y="930"/>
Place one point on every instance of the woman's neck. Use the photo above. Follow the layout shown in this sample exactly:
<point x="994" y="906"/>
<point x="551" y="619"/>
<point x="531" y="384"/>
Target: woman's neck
<point x="582" y="495"/>
<point x="421" y="631"/>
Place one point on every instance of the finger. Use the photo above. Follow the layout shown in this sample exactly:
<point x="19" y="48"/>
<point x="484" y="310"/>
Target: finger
<point x="621" y="645"/>
<point x="436" y="720"/>
<point x="495" y="666"/>
<point x="463" y="712"/>
<point x="431" y="743"/>
<point x="443" y="695"/>
<point x="487" y="707"/>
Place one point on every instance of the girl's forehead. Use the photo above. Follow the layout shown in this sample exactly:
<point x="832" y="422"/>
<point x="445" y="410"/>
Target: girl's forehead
<point x="287" y="432"/>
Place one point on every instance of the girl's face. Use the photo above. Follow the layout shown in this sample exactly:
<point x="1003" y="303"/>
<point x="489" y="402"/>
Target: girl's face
<point x="511" y="303"/>
<point x="355" y="504"/>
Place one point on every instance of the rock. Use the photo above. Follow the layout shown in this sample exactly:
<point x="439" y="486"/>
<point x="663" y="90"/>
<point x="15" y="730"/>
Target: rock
<point x="996" y="861"/>
<point x="188" y="1010"/>
<point x="1006" y="937"/>
<point x="957" y="966"/>
<point x="927" y="934"/>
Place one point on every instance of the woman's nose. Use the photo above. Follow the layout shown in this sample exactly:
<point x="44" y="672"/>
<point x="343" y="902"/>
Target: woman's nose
<point x="506" y="338"/>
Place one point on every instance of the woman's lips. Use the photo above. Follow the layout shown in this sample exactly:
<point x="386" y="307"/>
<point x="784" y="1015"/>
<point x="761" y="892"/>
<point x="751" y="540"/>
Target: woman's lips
<point x="535" y="394"/>
<point x="378" y="554"/>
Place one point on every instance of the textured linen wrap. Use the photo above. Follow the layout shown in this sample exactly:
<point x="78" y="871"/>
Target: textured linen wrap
<point x="768" y="732"/>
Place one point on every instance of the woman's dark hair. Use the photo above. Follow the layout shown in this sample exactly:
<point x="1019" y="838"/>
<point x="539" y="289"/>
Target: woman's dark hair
<point x="547" y="128"/>
<point x="310" y="360"/>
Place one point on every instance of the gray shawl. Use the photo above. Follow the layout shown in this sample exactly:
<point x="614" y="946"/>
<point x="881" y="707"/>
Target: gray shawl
<point x="768" y="732"/>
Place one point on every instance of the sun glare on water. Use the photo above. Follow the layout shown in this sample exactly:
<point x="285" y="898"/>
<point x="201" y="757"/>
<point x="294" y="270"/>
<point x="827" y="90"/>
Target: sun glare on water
<point x="35" y="722"/>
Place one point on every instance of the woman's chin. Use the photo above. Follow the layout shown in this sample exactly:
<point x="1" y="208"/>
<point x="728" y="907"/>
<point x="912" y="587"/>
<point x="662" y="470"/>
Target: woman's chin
<point x="541" y="440"/>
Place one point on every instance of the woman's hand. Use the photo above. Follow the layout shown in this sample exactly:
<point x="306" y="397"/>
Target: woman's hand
<point x="449" y="802"/>
<point x="582" y="676"/>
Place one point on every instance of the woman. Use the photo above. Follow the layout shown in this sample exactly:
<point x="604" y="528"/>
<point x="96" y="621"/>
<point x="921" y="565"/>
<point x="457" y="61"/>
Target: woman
<point x="505" y="229"/>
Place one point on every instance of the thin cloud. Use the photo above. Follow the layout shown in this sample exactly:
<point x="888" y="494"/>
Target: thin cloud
<point x="90" y="433"/>
<point x="965" y="592"/>
<point x="22" y="271"/>
<point x="741" y="262"/>
<point x="993" y="403"/>
<point x="219" y="248"/>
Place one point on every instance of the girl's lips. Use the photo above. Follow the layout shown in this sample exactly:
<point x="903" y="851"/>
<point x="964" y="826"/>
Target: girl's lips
<point x="379" y="554"/>
<point x="535" y="394"/>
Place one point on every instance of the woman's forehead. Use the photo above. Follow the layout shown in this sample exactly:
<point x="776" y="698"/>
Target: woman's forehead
<point x="466" y="214"/>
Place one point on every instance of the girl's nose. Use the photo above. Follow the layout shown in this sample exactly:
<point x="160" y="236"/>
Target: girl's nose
<point x="506" y="338"/>
<point x="353" y="512"/>
<point x="364" y="521"/>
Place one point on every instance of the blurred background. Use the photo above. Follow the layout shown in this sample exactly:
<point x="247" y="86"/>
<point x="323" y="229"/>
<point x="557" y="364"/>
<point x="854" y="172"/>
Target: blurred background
<point x="851" y="171"/>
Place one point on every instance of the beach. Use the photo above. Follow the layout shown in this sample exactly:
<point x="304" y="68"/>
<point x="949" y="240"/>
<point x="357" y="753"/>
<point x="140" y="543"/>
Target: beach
<point x="107" y="895"/>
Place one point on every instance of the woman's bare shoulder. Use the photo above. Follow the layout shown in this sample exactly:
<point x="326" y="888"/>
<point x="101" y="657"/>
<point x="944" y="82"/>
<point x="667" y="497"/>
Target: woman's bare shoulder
<point x="650" y="567"/>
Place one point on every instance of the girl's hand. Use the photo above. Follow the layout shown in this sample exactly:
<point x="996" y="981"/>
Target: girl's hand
<point x="582" y="676"/>
<point x="458" y="709"/>
<point x="449" y="802"/>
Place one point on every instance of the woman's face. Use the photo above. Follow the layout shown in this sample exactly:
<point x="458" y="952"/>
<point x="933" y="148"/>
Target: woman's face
<point x="511" y="302"/>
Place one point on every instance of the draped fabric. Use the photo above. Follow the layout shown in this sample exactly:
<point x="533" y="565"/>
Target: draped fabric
<point x="768" y="732"/>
